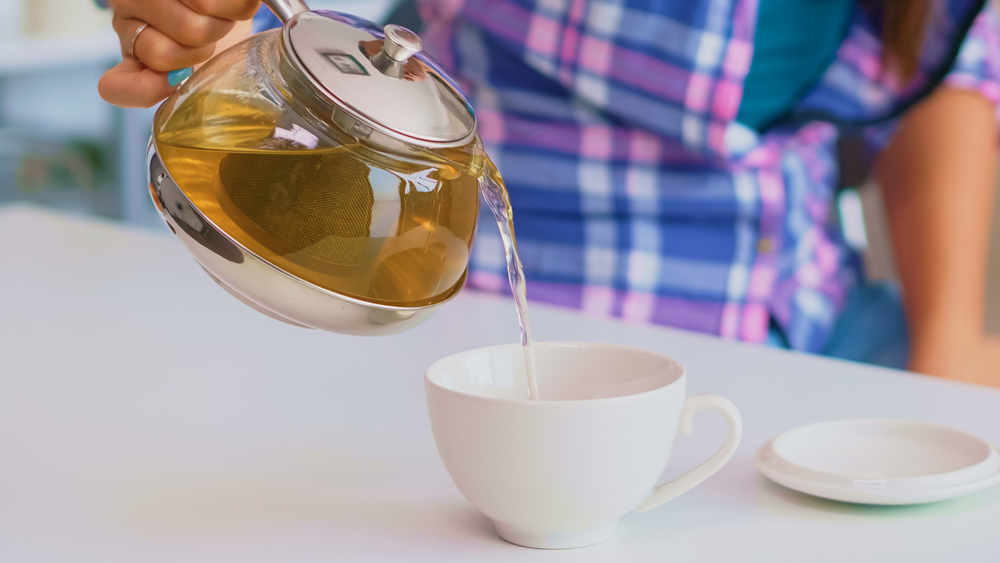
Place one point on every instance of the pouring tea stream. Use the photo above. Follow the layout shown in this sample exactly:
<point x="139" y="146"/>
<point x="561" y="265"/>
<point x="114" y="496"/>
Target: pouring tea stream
<point x="328" y="174"/>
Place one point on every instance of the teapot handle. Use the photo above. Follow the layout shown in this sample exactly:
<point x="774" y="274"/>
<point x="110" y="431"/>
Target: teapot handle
<point x="285" y="9"/>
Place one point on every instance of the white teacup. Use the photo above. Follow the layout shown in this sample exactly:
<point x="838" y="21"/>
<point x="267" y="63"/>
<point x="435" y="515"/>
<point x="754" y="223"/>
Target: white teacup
<point x="560" y="472"/>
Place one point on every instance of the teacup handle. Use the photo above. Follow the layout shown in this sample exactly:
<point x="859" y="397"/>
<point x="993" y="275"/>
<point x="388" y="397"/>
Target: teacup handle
<point x="689" y="480"/>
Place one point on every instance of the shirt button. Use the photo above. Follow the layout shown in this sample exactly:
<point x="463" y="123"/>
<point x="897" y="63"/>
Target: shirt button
<point x="764" y="245"/>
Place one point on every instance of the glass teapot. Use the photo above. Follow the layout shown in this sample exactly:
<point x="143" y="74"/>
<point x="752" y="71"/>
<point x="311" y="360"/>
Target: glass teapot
<point x="326" y="173"/>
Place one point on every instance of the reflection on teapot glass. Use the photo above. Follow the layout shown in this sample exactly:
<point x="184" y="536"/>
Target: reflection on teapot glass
<point x="346" y="218"/>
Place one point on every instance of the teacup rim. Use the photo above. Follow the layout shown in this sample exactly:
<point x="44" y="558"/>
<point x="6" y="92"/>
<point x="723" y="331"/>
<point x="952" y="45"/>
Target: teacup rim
<point x="682" y="379"/>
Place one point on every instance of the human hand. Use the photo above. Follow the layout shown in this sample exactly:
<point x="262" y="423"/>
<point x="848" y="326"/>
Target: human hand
<point x="180" y="34"/>
<point x="978" y="361"/>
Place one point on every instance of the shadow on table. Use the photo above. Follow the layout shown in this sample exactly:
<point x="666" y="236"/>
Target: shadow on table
<point x="782" y="501"/>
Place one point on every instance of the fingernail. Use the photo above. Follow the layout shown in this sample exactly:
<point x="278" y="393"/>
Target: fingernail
<point x="175" y="77"/>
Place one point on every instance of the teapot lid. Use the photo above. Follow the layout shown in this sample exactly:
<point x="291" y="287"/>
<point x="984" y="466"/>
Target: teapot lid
<point x="382" y="79"/>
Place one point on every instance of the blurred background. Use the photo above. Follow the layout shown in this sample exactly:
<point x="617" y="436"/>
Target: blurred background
<point x="62" y="147"/>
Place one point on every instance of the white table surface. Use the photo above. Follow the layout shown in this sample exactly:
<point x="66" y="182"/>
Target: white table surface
<point x="147" y="416"/>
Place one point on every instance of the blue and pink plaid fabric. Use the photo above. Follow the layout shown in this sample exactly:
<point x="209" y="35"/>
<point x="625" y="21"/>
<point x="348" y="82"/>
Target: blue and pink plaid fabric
<point x="636" y="194"/>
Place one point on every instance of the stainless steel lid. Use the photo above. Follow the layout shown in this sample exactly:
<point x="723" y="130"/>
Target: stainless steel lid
<point x="381" y="78"/>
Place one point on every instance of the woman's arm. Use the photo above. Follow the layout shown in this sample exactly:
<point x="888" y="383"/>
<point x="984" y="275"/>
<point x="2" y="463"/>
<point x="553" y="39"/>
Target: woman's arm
<point x="939" y="178"/>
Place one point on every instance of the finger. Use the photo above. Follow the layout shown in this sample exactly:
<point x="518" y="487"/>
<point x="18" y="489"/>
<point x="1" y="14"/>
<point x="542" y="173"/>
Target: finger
<point x="175" y="20"/>
<point x="239" y="10"/>
<point x="239" y="33"/>
<point x="156" y="50"/>
<point x="132" y="85"/>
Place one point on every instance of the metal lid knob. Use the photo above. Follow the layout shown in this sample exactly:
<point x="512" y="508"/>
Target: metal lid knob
<point x="401" y="43"/>
<point x="380" y="80"/>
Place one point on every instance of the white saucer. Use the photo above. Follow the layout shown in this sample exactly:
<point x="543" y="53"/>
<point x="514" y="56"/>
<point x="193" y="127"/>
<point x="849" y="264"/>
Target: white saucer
<point x="872" y="461"/>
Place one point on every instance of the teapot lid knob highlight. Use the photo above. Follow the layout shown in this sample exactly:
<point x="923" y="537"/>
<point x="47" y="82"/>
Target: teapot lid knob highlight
<point x="401" y="43"/>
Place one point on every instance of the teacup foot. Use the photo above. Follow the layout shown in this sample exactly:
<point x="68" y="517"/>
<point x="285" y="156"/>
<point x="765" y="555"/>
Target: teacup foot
<point x="540" y="539"/>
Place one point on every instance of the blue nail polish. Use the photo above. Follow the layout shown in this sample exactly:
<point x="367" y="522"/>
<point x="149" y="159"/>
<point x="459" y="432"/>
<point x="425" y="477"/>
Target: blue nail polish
<point x="175" y="77"/>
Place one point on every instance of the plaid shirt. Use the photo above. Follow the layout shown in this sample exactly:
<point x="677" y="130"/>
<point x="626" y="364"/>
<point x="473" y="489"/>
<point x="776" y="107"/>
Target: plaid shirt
<point x="636" y="193"/>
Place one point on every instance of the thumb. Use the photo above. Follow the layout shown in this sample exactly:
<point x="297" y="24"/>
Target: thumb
<point x="131" y="84"/>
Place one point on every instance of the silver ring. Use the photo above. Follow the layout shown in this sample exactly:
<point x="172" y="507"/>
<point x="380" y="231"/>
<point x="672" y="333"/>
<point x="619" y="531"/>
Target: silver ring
<point x="131" y="46"/>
